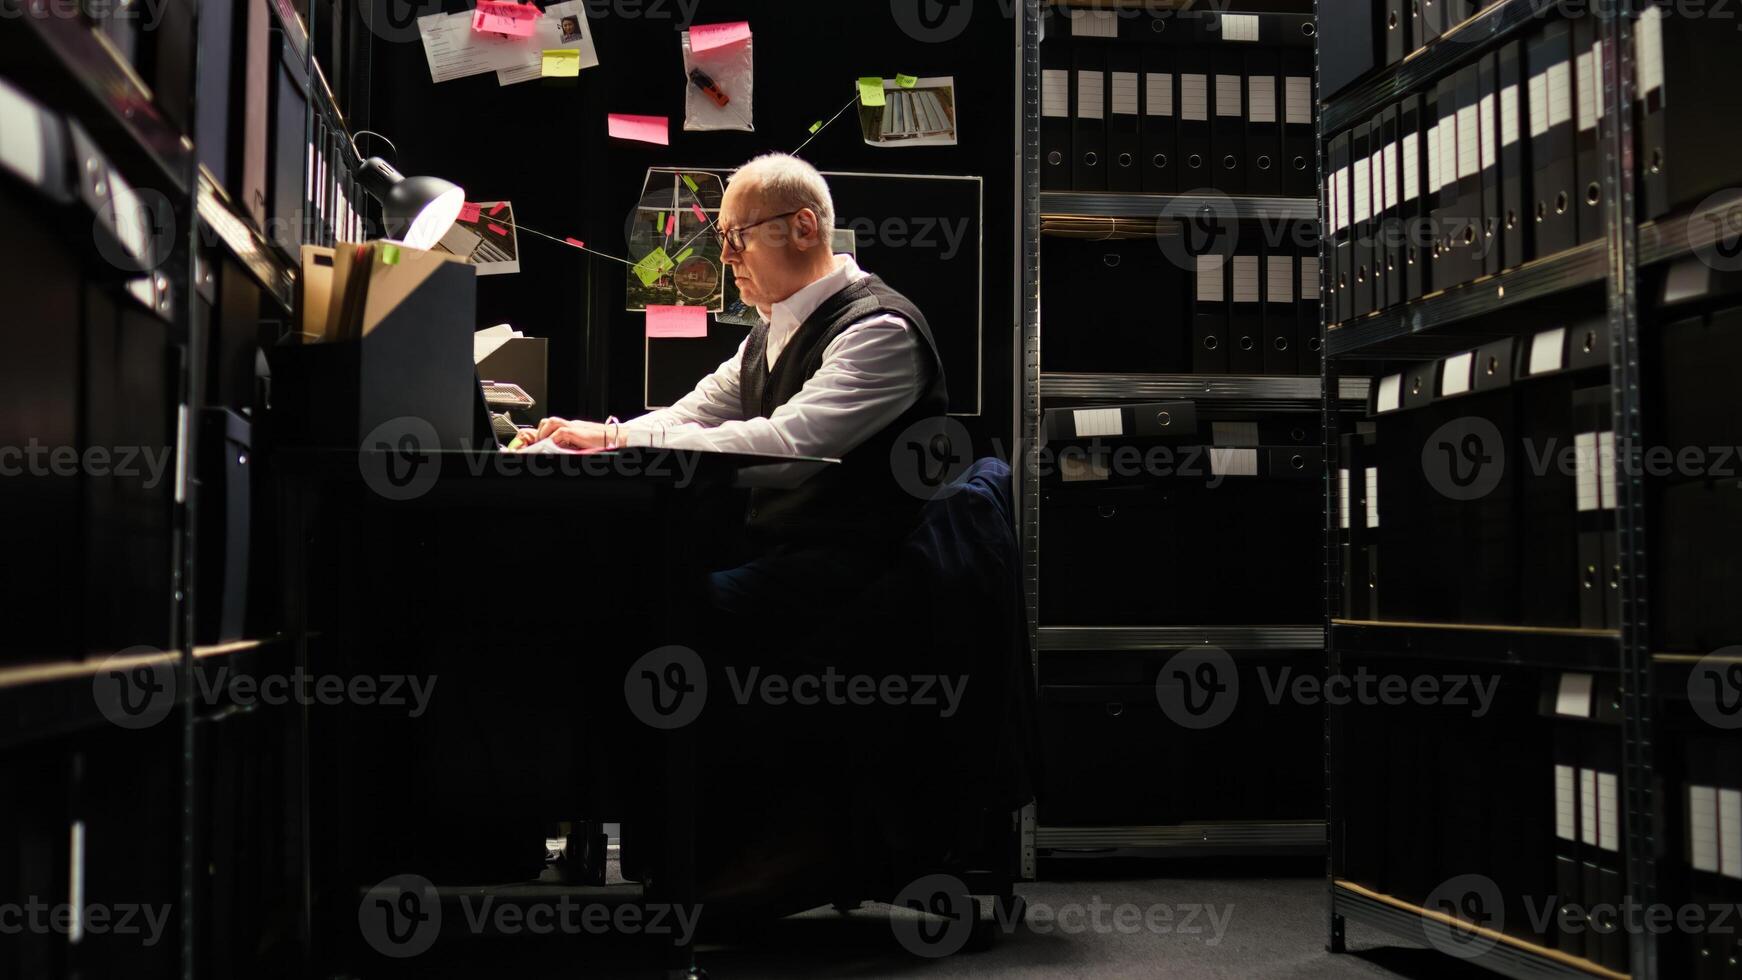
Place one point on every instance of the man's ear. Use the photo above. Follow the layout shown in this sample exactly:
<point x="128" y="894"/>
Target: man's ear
<point x="807" y="228"/>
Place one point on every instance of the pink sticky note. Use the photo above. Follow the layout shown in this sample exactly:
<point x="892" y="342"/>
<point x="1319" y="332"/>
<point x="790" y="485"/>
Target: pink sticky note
<point x="701" y="215"/>
<point x="677" y="321"/>
<point x="498" y="229"/>
<point x="469" y="211"/>
<point x="496" y="208"/>
<point x="576" y="242"/>
<point x="646" y="129"/>
<point x="704" y="37"/>
<point x="513" y="19"/>
<point x="671" y="226"/>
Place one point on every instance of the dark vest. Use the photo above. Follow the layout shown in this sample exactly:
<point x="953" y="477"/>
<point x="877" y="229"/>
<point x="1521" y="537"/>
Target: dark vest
<point x="859" y="502"/>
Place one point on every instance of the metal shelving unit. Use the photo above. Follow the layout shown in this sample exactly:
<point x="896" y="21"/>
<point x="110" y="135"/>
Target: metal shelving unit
<point x="1223" y="207"/>
<point x="1061" y="639"/>
<point x="1441" y="324"/>
<point x="1254" y="392"/>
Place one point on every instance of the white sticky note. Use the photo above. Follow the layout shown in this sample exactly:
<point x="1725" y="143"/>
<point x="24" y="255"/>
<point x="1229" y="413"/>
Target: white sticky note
<point x="1390" y="393"/>
<point x="1573" y="695"/>
<point x="1455" y="374"/>
<point x="1546" y="350"/>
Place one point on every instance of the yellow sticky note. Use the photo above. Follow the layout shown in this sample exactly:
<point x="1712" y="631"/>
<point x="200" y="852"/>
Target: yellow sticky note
<point x="816" y="126"/>
<point x="389" y="254"/>
<point x="562" y="63"/>
<point x="871" y="92"/>
<point x="686" y="253"/>
<point x="652" y="266"/>
<point x="691" y="184"/>
<point x="906" y="81"/>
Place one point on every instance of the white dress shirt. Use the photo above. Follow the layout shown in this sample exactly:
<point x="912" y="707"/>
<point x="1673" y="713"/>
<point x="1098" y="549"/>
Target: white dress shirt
<point x="871" y="373"/>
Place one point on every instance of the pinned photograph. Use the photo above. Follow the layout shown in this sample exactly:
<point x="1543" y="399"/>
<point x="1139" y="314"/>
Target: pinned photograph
<point x="915" y="112"/>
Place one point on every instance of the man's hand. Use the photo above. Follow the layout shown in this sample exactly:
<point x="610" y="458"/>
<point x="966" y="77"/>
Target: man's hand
<point x="568" y="434"/>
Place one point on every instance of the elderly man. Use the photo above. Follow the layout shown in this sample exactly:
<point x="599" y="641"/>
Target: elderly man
<point x="841" y="365"/>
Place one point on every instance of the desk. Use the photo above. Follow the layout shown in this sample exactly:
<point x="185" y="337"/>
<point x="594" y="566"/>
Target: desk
<point x="397" y="560"/>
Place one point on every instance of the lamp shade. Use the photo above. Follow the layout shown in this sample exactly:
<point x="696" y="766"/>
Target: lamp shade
<point x="415" y="210"/>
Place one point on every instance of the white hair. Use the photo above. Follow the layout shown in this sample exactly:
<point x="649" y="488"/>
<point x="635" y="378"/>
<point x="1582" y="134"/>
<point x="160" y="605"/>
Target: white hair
<point x="787" y="183"/>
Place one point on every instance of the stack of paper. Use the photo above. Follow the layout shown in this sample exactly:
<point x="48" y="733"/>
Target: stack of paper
<point x="473" y="42"/>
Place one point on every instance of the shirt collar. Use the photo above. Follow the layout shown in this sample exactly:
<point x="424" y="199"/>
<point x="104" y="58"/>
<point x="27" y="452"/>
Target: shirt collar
<point x="787" y="314"/>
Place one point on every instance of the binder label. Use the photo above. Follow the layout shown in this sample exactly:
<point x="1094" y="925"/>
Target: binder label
<point x="1297" y="95"/>
<point x="1468" y="160"/>
<point x="1055" y="93"/>
<point x="1538" y="104"/>
<point x="1261" y="98"/>
<point x="1648" y="58"/>
<point x="1588" y="806"/>
<point x="1573" y="695"/>
<point x="1560" y="98"/>
<point x="1449" y="151"/>
<point x="1233" y="462"/>
<point x="1485" y="120"/>
<point x="1239" y="27"/>
<point x="1097" y="422"/>
<point x="1390" y="182"/>
<point x="1362" y="177"/>
<point x="1210" y="288"/>
<point x="1587" y="86"/>
<point x="1094" y="23"/>
<point x="1279" y="278"/>
<point x="21" y="150"/>
<point x="1434" y="183"/>
<point x="1343" y="498"/>
<point x="1508" y="116"/>
<point x="1390" y="391"/>
<point x="1411" y="173"/>
<point x="1194" y="97"/>
<point x="1608" y="812"/>
<point x="1228" y="95"/>
<point x="1606" y="470"/>
<point x="1730" y="833"/>
<point x="1455" y="375"/>
<point x="1585" y="462"/>
<point x="1372" y="496"/>
<point x="1703" y="828"/>
<point x="1566" y="813"/>
<point x="1309" y="277"/>
<point x="1245" y="278"/>
<point x="1091" y="94"/>
<point x="1158" y="93"/>
<point x="1124" y="93"/>
<point x="1545" y="350"/>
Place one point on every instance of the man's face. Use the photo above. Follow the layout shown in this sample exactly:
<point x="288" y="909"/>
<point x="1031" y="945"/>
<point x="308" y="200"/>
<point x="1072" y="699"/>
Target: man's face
<point x="774" y="261"/>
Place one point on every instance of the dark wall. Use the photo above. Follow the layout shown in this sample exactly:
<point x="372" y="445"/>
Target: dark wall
<point x="542" y="145"/>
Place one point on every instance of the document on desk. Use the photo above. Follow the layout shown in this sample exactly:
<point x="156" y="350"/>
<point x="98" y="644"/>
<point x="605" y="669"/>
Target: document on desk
<point x="455" y="50"/>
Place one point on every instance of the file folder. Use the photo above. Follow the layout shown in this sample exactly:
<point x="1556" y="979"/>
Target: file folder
<point x="1397" y="31"/>
<point x="1349" y="47"/>
<point x="1388" y="251"/>
<point x="1228" y="121"/>
<point x="1309" y="330"/>
<point x="1547" y="58"/>
<point x="1360" y="220"/>
<point x="1245" y="316"/>
<point x="1590" y="419"/>
<point x="1684" y="107"/>
<point x="1341" y="248"/>
<point x="1264" y="164"/>
<point x="1488" y="143"/>
<point x="1424" y="21"/>
<point x="1124" y="118"/>
<point x="1413" y="234"/>
<point x="1428" y="243"/>
<point x="288" y="146"/>
<point x="1588" y="103"/>
<point x="1514" y="155"/>
<point x="1089" y="125"/>
<point x="1210" y="314"/>
<point x="1446" y="270"/>
<point x="249" y="154"/>
<point x="1467" y="238"/>
<point x="1280" y="355"/>
<point x="1194" y="119"/>
<point x="1159" y="114"/>
<point x="1056" y="89"/>
<point x="1297" y="122"/>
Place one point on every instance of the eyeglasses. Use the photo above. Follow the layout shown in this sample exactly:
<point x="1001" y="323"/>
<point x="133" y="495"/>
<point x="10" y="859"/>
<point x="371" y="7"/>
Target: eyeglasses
<point x="735" y="236"/>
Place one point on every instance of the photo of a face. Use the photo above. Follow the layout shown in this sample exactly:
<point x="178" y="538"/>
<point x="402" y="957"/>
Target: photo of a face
<point x="571" y="28"/>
